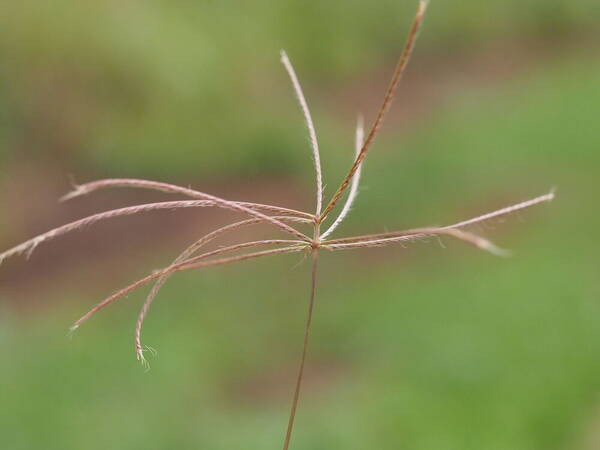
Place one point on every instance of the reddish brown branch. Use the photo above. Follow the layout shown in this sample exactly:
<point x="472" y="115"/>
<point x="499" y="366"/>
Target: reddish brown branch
<point x="387" y="101"/>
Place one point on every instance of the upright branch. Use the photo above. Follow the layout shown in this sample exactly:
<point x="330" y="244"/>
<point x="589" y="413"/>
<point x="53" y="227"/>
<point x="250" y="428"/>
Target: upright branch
<point x="387" y="101"/>
<point x="309" y="124"/>
<point x="359" y="138"/>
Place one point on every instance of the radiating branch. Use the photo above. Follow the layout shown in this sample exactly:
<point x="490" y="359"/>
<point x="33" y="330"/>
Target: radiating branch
<point x="504" y="211"/>
<point x="476" y="220"/>
<point x="125" y="182"/>
<point x="187" y="253"/>
<point x="29" y="246"/>
<point x="469" y="238"/>
<point x="195" y="263"/>
<point x="88" y="188"/>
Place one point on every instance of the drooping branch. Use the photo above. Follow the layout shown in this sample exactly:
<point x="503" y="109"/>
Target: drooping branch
<point x="196" y="263"/>
<point x="187" y="253"/>
<point x="387" y="101"/>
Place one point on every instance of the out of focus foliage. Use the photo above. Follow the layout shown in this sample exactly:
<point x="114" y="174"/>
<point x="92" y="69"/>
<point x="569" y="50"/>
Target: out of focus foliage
<point x="192" y="87"/>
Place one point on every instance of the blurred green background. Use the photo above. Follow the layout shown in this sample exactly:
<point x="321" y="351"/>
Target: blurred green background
<point x="421" y="347"/>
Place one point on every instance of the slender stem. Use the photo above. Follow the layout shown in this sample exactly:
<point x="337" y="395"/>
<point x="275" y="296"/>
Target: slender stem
<point x="311" y="306"/>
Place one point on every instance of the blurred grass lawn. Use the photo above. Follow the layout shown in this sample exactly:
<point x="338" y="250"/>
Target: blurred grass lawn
<point x="420" y="348"/>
